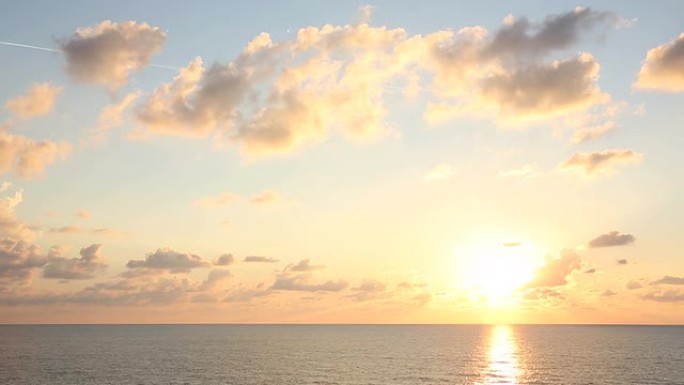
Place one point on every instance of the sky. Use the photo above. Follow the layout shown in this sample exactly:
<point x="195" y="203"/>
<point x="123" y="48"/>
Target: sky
<point x="341" y="162"/>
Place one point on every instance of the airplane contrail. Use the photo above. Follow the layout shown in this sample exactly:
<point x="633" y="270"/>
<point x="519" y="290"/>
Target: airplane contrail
<point x="30" y="46"/>
<point x="60" y="51"/>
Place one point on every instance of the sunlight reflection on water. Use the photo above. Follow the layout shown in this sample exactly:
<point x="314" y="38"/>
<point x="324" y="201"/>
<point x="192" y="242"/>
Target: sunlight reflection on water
<point x="503" y="365"/>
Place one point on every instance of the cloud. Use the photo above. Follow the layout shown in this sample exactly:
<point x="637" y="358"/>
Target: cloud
<point x="520" y="37"/>
<point x="669" y="280"/>
<point x="622" y="261"/>
<point x="216" y="279"/>
<point x="108" y="52"/>
<point x="224" y="260"/>
<point x="525" y="171"/>
<point x="594" y="164"/>
<point x="91" y="262"/>
<point x="280" y="96"/>
<point x="442" y="171"/>
<point x="27" y="158"/>
<point x="301" y="282"/>
<point x="247" y="294"/>
<point x="370" y="285"/>
<point x="663" y="68"/>
<point x="369" y="289"/>
<point x="111" y="115"/>
<point x="608" y="293"/>
<point x="590" y="271"/>
<point x="556" y="271"/>
<point x="544" y="90"/>
<point x="18" y="260"/>
<point x="633" y="285"/>
<point x="304" y="265"/>
<point x="10" y="226"/>
<point x="74" y="229"/>
<point x="220" y="200"/>
<point x="196" y="102"/>
<point x="511" y="244"/>
<point x="610" y="239"/>
<point x="587" y="134"/>
<point x="266" y="198"/>
<point x="39" y="100"/>
<point x="85" y="214"/>
<point x="253" y="258"/>
<point x="669" y="296"/>
<point x="165" y="259"/>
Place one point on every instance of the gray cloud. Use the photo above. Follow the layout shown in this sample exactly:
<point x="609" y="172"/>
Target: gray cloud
<point x="633" y="285"/>
<point x="224" y="260"/>
<point x="608" y="293"/>
<point x="301" y="282"/>
<point x="197" y="102"/>
<point x="305" y="265"/>
<point x="18" y="260"/>
<point x="254" y="258"/>
<point x="663" y="68"/>
<point x="91" y="262"/>
<point x="106" y="53"/>
<point x="590" y="271"/>
<point x="622" y="261"/>
<point x="542" y="90"/>
<point x="165" y="259"/>
<point x="369" y="289"/>
<point x="594" y="164"/>
<point x="520" y="37"/>
<point x="668" y="296"/>
<point x="669" y="280"/>
<point x="613" y="238"/>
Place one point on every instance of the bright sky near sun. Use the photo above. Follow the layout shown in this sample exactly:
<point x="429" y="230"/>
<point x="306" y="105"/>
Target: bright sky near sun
<point x="314" y="161"/>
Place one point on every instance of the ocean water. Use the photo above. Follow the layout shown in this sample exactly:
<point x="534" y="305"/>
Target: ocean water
<point x="341" y="354"/>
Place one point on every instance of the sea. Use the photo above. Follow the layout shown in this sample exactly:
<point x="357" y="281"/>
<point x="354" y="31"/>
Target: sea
<point x="341" y="354"/>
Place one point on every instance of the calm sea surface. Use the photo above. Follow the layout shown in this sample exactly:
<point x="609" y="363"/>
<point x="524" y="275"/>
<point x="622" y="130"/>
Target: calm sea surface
<point x="334" y="354"/>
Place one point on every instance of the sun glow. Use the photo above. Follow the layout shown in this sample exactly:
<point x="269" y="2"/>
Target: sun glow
<point x="496" y="273"/>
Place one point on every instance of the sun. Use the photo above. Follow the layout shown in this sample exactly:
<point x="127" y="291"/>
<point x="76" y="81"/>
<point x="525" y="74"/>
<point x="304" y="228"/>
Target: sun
<point x="495" y="273"/>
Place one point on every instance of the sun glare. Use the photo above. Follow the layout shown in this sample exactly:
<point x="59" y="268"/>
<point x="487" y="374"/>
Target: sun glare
<point x="495" y="273"/>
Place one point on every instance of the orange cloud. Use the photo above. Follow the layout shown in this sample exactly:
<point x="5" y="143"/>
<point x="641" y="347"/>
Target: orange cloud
<point x="663" y="68"/>
<point x="39" y="100"/>
<point x="595" y="164"/>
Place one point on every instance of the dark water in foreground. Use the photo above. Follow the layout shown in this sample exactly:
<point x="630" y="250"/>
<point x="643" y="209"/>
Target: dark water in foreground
<point x="335" y="354"/>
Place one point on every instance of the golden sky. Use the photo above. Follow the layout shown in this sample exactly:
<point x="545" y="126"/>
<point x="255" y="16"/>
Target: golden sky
<point x="328" y="163"/>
